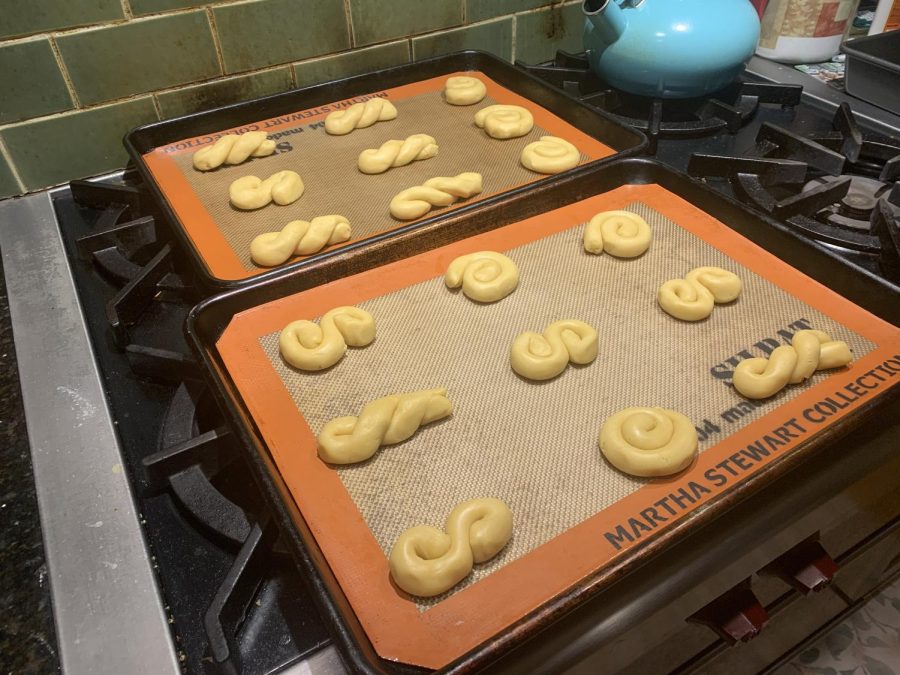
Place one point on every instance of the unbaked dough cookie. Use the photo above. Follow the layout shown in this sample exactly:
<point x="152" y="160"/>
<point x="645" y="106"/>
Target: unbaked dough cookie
<point x="426" y="561"/>
<point x="550" y="155"/>
<point x="299" y="237"/>
<point x="397" y="153"/>
<point x="416" y="201"/>
<point x="504" y="121"/>
<point x="485" y="276"/>
<point x="359" y="116"/>
<point x="464" y="90"/>
<point x="250" y="192"/>
<point x="693" y="298"/>
<point x="648" y="441"/>
<point x="309" y="346"/>
<point x="384" y="421"/>
<point x="620" y="233"/>
<point x="542" y="357"/>
<point x="233" y="149"/>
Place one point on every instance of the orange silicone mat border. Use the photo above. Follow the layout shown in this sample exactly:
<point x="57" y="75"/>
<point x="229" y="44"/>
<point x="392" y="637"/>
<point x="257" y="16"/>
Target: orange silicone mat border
<point x="472" y="616"/>
<point x="211" y="244"/>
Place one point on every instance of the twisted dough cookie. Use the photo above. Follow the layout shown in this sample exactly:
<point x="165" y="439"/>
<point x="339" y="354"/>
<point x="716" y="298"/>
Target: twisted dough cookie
<point x="416" y="201"/>
<point x="426" y="561"/>
<point x="810" y="350"/>
<point x="308" y="346"/>
<point x="504" y="121"/>
<point x="648" y="441"/>
<point x="384" y="421"/>
<point x="233" y="149"/>
<point x="550" y="155"/>
<point x="620" y="233"/>
<point x="692" y="298"/>
<point x="541" y="357"/>
<point x="249" y="192"/>
<point x="464" y="90"/>
<point x="486" y="276"/>
<point x="397" y="153"/>
<point x="359" y="116"/>
<point x="299" y="237"/>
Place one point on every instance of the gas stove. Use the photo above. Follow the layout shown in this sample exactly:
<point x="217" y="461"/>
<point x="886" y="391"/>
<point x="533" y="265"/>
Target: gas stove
<point x="194" y="575"/>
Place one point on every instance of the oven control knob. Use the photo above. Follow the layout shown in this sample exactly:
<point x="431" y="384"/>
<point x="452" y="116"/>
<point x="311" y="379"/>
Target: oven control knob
<point x="807" y="567"/>
<point x="735" y="616"/>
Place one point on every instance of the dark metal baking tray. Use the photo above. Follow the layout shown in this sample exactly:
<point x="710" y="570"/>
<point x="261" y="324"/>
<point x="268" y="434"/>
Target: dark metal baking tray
<point x="873" y="69"/>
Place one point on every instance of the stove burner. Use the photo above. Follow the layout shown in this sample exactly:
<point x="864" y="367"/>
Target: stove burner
<point x="855" y="209"/>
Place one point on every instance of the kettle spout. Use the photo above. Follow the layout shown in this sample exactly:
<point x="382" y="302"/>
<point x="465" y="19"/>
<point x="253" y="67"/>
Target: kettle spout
<point x="607" y="18"/>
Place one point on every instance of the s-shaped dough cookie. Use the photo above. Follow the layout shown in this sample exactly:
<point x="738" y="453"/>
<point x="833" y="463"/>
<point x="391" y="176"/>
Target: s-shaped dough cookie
<point x="464" y="90"/>
<point x="359" y="116"/>
<point x="550" y="155"/>
<point x="233" y="149"/>
<point x="486" y="276"/>
<point x="426" y="561"/>
<point x="504" y="121"/>
<point x="308" y="346"/>
<point x="693" y="298"/>
<point x="648" y="441"/>
<point x="542" y="357"/>
<point x="299" y="237"/>
<point x="397" y="153"/>
<point x="249" y="192"/>
<point x="384" y="421"/>
<point x="809" y="351"/>
<point x="620" y="233"/>
<point x="416" y="201"/>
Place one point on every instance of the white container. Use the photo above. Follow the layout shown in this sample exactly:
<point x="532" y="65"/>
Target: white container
<point x="887" y="17"/>
<point x="804" y="31"/>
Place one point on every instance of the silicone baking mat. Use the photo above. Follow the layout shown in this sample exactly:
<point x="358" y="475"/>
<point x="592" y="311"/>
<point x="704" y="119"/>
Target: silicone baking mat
<point x="327" y="165"/>
<point x="534" y="445"/>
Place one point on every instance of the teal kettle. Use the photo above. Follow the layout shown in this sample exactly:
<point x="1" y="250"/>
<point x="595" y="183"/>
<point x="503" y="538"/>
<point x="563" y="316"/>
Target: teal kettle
<point x="669" y="48"/>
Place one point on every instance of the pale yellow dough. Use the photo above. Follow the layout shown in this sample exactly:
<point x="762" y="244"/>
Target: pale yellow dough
<point x="504" y="121"/>
<point x="648" y="441"/>
<point x="542" y="357"/>
<point x="384" y="421"/>
<point x="309" y="346"/>
<point x="233" y="149"/>
<point x="620" y="233"/>
<point x="550" y="155"/>
<point x="485" y="276"/>
<point x="464" y="90"/>
<point x="809" y="351"/>
<point x="299" y="237"/>
<point x="359" y="116"/>
<point x="693" y="298"/>
<point x="426" y="561"/>
<point x="416" y="201"/>
<point x="397" y="153"/>
<point x="250" y="192"/>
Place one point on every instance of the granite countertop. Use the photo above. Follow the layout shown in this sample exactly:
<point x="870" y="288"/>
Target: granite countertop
<point x="27" y="636"/>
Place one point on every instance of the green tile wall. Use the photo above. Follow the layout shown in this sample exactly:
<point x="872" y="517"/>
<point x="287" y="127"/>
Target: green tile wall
<point x="539" y="34"/>
<point x="140" y="7"/>
<point x="23" y="17"/>
<point x="222" y="92"/>
<point x="491" y="36"/>
<point x="9" y="186"/>
<point x="379" y="20"/>
<point x="22" y="64"/>
<point x="351" y="63"/>
<point x="476" y="10"/>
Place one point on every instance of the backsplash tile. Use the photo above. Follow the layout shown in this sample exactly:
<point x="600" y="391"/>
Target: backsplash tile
<point x="9" y="186"/>
<point x="140" y="7"/>
<point x="478" y="10"/>
<point x="222" y="92"/>
<point x="351" y="63"/>
<point x="539" y="34"/>
<point x="490" y="36"/>
<point x="110" y="63"/>
<point x="22" y="64"/>
<point x="379" y="20"/>
<point x="23" y="17"/>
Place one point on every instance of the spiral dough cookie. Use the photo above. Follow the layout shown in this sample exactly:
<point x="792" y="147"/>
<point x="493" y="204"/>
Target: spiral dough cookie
<point x="426" y="561"/>
<point x="648" y="441"/>
<point x="249" y="192"/>
<point x="359" y="116"/>
<point x="397" y="153"/>
<point x="693" y="298"/>
<point x="504" y="121"/>
<point x="233" y="149"/>
<point x="542" y="357"/>
<point x="308" y="346"/>
<point x="809" y="351"/>
<point x="384" y="421"/>
<point x="299" y="237"/>
<point x="416" y="201"/>
<point x="486" y="276"/>
<point x="464" y="90"/>
<point x="550" y="155"/>
<point x="620" y="233"/>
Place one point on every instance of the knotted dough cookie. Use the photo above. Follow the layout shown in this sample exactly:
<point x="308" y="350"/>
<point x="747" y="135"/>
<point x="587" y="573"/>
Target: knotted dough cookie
<point x="299" y="237"/>
<point x="416" y="201"/>
<point x="693" y="298"/>
<point x="541" y="357"/>
<point x="397" y="153"/>
<point x="504" y="121"/>
<point x="464" y="90"/>
<point x="550" y="155"/>
<point x="309" y="346"/>
<point x="384" y="421"/>
<point x="426" y="561"/>
<point x="620" y="233"/>
<point x="233" y="149"/>
<point x="809" y="351"/>
<point x="648" y="441"/>
<point x="485" y="276"/>
<point x="250" y="192"/>
<point x="359" y="116"/>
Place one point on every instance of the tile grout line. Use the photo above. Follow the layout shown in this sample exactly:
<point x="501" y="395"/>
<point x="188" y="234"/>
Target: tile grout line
<point x="156" y="107"/>
<point x="64" y="71"/>
<point x="4" y="152"/>
<point x="126" y="10"/>
<point x="350" y="28"/>
<point x="513" y="40"/>
<point x="211" y="19"/>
